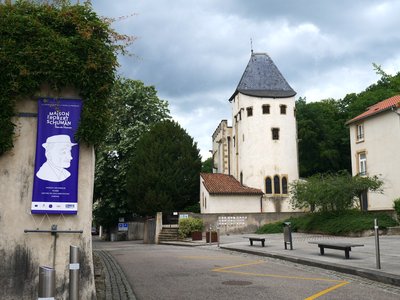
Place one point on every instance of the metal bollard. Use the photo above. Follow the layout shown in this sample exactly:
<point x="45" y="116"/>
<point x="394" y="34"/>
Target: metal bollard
<point x="287" y="235"/>
<point x="73" y="273"/>
<point x="47" y="286"/>
<point x="378" y="254"/>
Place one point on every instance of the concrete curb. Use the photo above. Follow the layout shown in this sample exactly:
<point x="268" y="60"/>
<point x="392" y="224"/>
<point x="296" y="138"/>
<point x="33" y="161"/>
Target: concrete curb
<point x="365" y="273"/>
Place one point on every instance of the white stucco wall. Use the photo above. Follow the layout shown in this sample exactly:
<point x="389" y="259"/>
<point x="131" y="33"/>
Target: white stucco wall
<point x="25" y="252"/>
<point x="233" y="204"/>
<point x="255" y="154"/>
<point x="381" y="145"/>
<point x="211" y="204"/>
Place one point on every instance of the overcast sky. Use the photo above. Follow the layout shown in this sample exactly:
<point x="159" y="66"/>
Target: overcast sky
<point x="195" y="51"/>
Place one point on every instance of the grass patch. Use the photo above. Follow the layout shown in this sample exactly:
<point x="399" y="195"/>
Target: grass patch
<point x="334" y="223"/>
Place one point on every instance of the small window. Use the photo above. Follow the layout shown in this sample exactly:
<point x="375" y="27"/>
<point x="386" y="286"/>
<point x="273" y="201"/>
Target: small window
<point x="249" y="111"/>
<point x="277" y="186"/>
<point x="265" y="109"/>
<point x="234" y="142"/>
<point x="284" y="185"/>
<point x="360" y="132"/>
<point x="275" y="133"/>
<point x="283" y="109"/>
<point x="241" y="178"/>
<point x="268" y="185"/>
<point x="362" y="163"/>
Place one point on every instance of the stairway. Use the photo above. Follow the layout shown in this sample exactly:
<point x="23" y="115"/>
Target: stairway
<point x="168" y="234"/>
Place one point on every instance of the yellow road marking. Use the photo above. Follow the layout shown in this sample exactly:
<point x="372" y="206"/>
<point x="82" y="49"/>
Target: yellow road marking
<point x="315" y="296"/>
<point x="228" y="269"/>
<point x="222" y="270"/>
<point x="210" y="257"/>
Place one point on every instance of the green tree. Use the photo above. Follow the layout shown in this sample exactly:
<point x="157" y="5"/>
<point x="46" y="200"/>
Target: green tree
<point x="387" y="86"/>
<point x="323" y="137"/>
<point x="164" y="174"/>
<point x="60" y="45"/>
<point x="331" y="192"/>
<point x="135" y="107"/>
<point x="207" y="165"/>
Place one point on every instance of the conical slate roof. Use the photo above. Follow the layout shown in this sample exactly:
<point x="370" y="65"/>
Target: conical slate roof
<point x="263" y="79"/>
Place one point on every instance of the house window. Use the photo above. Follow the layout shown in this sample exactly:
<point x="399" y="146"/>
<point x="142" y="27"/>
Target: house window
<point x="362" y="163"/>
<point x="249" y="111"/>
<point x="277" y="186"/>
<point x="284" y="185"/>
<point x="275" y="133"/>
<point x="268" y="185"/>
<point x="360" y="132"/>
<point x="265" y="109"/>
<point x="283" y="109"/>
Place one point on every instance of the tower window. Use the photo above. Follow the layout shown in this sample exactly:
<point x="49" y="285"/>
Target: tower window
<point x="284" y="185"/>
<point x="268" y="185"/>
<point x="249" y="111"/>
<point x="283" y="109"/>
<point x="265" y="109"/>
<point x="275" y="133"/>
<point x="241" y="178"/>
<point x="277" y="185"/>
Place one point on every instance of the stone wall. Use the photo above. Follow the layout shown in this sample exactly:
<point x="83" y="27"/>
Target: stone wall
<point x="241" y="222"/>
<point x="22" y="253"/>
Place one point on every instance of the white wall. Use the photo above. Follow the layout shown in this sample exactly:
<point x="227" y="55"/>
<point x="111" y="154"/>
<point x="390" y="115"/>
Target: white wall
<point x="23" y="253"/>
<point x="211" y="204"/>
<point x="255" y="154"/>
<point x="382" y="146"/>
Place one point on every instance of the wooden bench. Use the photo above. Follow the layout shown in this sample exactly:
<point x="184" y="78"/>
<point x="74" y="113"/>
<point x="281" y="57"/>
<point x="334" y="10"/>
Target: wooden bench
<point x="262" y="240"/>
<point x="346" y="247"/>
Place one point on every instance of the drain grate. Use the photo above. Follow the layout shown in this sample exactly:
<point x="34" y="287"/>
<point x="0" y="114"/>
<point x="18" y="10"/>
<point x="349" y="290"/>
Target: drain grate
<point x="237" y="282"/>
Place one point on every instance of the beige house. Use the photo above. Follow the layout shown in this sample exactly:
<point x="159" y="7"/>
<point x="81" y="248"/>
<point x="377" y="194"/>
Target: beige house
<point x="259" y="150"/>
<point x="375" y="144"/>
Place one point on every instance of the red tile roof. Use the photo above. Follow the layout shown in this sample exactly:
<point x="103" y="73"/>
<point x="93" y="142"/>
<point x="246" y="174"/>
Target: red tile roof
<point x="378" y="108"/>
<point x="226" y="185"/>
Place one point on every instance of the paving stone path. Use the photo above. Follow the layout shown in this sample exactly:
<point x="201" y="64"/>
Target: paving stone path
<point x="116" y="285"/>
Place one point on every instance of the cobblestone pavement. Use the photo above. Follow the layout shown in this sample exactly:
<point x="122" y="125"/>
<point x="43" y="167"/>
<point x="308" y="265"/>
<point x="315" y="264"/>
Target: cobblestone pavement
<point x="111" y="283"/>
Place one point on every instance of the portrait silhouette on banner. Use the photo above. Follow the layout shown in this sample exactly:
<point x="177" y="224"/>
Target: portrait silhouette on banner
<point x="58" y="155"/>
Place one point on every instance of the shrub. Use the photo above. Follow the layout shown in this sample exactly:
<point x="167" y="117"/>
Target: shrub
<point x="334" y="223"/>
<point x="396" y="206"/>
<point x="189" y="225"/>
<point x="331" y="192"/>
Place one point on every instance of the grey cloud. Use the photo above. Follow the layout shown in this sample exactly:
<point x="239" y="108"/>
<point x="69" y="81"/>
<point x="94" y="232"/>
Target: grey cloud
<point x="194" y="52"/>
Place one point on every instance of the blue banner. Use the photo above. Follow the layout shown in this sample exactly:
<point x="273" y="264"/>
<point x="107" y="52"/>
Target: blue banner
<point x="55" y="184"/>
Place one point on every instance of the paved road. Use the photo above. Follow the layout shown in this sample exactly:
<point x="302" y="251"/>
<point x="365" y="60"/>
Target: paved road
<point x="174" y="272"/>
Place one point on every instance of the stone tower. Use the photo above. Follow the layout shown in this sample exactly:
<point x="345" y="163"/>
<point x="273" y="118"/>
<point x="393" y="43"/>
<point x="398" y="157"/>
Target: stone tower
<point x="263" y="143"/>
